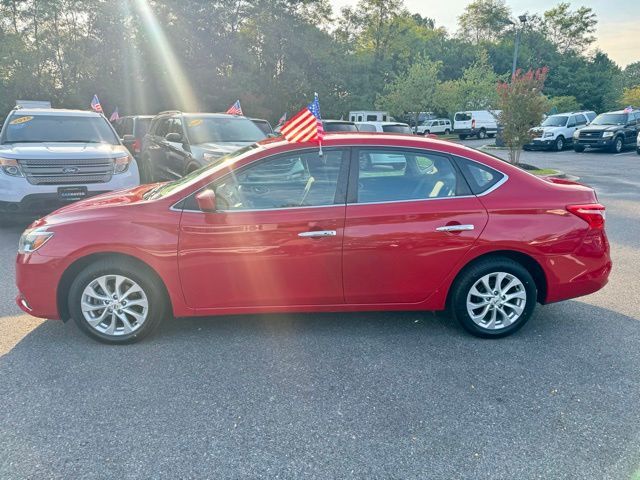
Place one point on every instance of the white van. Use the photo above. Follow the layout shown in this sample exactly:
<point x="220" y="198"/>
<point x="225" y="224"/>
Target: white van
<point x="369" y="116"/>
<point x="479" y="123"/>
<point x="384" y="127"/>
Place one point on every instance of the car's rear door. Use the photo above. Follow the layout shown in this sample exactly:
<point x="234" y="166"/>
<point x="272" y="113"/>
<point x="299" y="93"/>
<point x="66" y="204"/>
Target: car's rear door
<point x="276" y="239"/>
<point x="405" y="229"/>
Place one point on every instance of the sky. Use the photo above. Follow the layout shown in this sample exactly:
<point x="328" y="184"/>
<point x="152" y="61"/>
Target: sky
<point x="618" y="32"/>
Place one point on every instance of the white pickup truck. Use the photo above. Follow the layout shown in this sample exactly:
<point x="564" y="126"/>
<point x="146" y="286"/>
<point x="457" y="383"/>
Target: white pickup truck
<point x="49" y="157"/>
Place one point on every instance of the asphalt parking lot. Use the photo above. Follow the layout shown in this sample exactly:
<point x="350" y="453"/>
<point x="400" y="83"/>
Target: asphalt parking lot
<point x="365" y="395"/>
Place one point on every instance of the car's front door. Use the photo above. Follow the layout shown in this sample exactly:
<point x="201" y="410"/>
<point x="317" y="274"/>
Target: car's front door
<point x="275" y="239"/>
<point x="406" y="228"/>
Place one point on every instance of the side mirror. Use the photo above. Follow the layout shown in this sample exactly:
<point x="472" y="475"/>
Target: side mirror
<point x="173" y="137"/>
<point x="206" y="200"/>
<point x="128" y="140"/>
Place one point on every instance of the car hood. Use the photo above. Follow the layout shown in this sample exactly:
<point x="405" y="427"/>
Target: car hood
<point x="601" y="128"/>
<point x="103" y="205"/>
<point x="545" y="129"/>
<point x="63" y="150"/>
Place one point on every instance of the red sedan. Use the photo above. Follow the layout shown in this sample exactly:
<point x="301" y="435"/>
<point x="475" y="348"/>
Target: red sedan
<point x="377" y="222"/>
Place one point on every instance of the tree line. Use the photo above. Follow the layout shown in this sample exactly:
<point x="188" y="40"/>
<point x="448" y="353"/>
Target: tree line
<point x="201" y="55"/>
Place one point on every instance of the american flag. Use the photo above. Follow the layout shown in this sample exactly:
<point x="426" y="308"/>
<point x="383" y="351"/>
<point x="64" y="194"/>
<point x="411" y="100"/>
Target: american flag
<point x="306" y="125"/>
<point x="115" y="116"/>
<point x="235" y="109"/>
<point x="95" y="104"/>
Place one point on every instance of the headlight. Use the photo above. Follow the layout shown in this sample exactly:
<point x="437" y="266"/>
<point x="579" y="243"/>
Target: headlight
<point x="121" y="164"/>
<point x="607" y="134"/>
<point x="576" y="134"/>
<point x="10" y="167"/>
<point x="548" y="134"/>
<point x="33" y="238"/>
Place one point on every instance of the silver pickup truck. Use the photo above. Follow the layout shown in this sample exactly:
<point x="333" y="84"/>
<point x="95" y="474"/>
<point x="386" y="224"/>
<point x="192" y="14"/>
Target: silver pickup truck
<point x="49" y="157"/>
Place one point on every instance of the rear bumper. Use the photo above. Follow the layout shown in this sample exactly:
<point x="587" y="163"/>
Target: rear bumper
<point x="580" y="273"/>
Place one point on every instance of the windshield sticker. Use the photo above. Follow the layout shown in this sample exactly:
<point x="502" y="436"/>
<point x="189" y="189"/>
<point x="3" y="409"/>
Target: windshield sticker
<point x="20" y="120"/>
<point x="195" y="122"/>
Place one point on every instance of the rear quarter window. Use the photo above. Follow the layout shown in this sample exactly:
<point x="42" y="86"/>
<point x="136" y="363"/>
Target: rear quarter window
<point x="462" y="117"/>
<point x="480" y="177"/>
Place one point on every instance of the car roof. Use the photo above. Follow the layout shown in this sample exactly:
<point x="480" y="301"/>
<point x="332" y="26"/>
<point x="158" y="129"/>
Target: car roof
<point x="621" y="111"/>
<point x="382" y="123"/>
<point x="342" y="121"/>
<point x="56" y="111"/>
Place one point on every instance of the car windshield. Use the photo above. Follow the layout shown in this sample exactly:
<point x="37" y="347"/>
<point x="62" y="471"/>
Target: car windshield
<point x="610" y="119"/>
<point x="165" y="189"/>
<point x="23" y="128"/>
<point x="222" y="129"/>
<point x="555" y="121"/>
<point x="462" y="117"/>
<point x="399" y="128"/>
<point x="339" y="127"/>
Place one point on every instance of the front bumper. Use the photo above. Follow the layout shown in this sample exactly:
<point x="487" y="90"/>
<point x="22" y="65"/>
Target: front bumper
<point x="595" y="142"/>
<point x="37" y="279"/>
<point x="39" y="203"/>
<point x="540" y="144"/>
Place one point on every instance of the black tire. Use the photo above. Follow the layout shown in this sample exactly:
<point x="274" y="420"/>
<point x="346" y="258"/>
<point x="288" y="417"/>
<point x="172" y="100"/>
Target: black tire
<point x="426" y="132"/>
<point x="638" y="151"/>
<point x="447" y="131"/>
<point x="578" y="148"/>
<point x="158" y="304"/>
<point x="468" y="278"/>
<point x="559" y="144"/>
<point x="618" y="145"/>
<point x="462" y="137"/>
<point x="482" y="134"/>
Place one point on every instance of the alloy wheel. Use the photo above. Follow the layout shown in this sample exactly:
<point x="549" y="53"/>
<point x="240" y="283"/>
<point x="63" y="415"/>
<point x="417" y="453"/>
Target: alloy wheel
<point x="496" y="300"/>
<point x="114" y="305"/>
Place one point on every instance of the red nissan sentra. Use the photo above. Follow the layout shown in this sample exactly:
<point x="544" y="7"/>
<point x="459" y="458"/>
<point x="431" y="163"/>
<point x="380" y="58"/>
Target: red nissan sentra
<point x="377" y="222"/>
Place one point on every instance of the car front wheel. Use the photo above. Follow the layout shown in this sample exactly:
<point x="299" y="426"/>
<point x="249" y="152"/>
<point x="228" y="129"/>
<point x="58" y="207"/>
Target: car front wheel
<point x="116" y="302"/>
<point x="494" y="298"/>
<point x="618" y="145"/>
<point x="559" y="145"/>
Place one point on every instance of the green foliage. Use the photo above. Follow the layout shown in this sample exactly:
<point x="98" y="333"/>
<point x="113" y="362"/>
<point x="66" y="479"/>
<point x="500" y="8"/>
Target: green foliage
<point x="631" y="96"/>
<point x="564" y="103"/>
<point x="413" y="92"/>
<point x="146" y="56"/>
<point x="484" y="20"/>
<point x="522" y="107"/>
<point x="570" y="31"/>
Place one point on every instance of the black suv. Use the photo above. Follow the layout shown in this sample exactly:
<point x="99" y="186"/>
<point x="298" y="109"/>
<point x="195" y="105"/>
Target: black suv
<point x="179" y="143"/>
<point x="611" y="130"/>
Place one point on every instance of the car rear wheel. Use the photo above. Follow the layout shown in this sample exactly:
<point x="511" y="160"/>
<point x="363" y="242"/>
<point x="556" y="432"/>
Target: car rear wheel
<point x="618" y="145"/>
<point x="462" y="137"/>
<point x="116" y="302"/>
<point x="447" y="131"/>
<point x="482" y="134"/>
<point x="494" y="298"/>
<point x="559" y="144"/>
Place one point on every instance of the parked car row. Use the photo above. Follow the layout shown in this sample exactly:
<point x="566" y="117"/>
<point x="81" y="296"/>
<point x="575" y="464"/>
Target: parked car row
<point x="612" y="131"/>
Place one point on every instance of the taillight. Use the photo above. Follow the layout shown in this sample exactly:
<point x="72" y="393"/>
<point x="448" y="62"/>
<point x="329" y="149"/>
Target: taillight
<point x="136" y="146"/>
<point x="473" y="123"/>
<point x="592" y="213"/>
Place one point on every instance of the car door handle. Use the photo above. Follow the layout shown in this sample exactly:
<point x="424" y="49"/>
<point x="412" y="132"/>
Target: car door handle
<point x="455" y="228"/>
<point x="318" y="233"/>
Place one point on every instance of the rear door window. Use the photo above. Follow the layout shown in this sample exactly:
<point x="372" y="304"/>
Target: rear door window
<point x="462" y="117"/>
<point x="393" y="175"/>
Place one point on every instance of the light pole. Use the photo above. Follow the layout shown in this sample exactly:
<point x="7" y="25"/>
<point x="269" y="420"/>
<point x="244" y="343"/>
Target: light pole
<point x="523" y="21"/>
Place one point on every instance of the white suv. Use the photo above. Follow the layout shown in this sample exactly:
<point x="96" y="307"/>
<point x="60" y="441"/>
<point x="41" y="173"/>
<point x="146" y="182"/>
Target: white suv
<point x="49" y="157"/>
<point x="439" y="125"/>
<point x="556" y="132"/>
